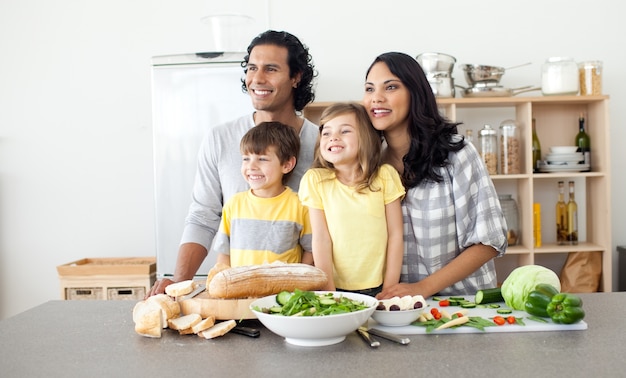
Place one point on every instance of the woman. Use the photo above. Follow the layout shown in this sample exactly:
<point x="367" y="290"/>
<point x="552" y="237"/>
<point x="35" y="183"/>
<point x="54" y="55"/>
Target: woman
<point x="453" y="223"/>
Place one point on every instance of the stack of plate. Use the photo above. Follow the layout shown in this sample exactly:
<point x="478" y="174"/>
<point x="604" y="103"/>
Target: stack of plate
<point x="564" y="159"/>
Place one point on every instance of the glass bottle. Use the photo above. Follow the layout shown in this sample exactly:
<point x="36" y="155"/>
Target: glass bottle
<point x="469" y="135"/>
<point x="510" y="148"/>
<point x="572" y="216"/>
<point x="489" y="148"/>
<point x="561" y="216"/>
<point x="536" y="149"/>
<point x="511" y="215"/>
<point x="583" y="142"/>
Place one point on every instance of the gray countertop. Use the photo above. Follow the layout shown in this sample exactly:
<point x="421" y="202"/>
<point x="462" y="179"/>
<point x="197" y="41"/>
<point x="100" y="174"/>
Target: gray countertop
<point x="97" y="339"/>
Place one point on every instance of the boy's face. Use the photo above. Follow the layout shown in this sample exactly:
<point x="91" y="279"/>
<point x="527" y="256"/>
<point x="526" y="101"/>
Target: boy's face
<point x="264" y="172"/>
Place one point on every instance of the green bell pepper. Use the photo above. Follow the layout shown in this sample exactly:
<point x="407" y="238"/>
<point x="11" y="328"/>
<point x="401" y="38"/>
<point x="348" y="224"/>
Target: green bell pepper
<point x="566" y="308"/>
<point x="537" y="302"/>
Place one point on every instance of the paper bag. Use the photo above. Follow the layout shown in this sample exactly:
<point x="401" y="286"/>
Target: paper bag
<point x="581" y="272"/>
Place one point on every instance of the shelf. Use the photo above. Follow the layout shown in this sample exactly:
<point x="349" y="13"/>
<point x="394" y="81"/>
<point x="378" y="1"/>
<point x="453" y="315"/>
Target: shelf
<point x="556" y="124"/>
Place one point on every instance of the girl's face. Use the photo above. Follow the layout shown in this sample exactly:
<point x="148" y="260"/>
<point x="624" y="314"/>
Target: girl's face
<point x="386" y="98"/>
<point x="264" y="172"/>
<point x="339" y="140"/>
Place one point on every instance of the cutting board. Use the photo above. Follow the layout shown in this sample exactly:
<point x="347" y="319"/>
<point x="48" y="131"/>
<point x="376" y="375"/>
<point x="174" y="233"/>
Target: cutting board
<point x="221" y="309"/>
<point x="487" y="313"/>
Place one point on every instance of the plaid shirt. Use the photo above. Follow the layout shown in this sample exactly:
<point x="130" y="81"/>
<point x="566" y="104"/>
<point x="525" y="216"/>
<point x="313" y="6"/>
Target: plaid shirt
<point x="442" y="219"/>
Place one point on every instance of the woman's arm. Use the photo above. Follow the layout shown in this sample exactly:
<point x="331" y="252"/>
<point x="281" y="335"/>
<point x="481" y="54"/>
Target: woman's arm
<point x="459" y="268"/>
<point x="395" y="245"/>
<point x="322" y="245"/>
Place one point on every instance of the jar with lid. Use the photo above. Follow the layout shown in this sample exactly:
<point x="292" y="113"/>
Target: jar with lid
<point x="510" y="148"/>
<point x="511" y="215"/>
<point x="489" y="148"/>
<point x="559" y="76"/>
<point x="590" y="77"/>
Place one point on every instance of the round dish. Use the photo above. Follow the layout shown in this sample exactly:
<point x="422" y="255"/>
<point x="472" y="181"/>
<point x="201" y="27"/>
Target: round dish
<point x="315" y="330"/>
<point x="396" y="318"/>
<point x="563" y="149"/>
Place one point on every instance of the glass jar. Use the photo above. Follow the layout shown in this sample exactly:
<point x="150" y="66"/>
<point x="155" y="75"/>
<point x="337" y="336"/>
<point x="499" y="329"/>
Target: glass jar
<point x="489" y="148"/>
<point x="510" y="148"/>
<point x="559" y="76"/>
<point x="511" y="215"/>
<point x="590" y="78"/>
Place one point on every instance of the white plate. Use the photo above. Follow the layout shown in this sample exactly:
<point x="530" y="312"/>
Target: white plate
<point x="565" y="157"/>
<point x="563" y="149"/>
<point x="564" y="168"/>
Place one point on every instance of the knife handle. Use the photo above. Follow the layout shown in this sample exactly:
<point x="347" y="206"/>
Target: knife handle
<point x="246" y="331"/>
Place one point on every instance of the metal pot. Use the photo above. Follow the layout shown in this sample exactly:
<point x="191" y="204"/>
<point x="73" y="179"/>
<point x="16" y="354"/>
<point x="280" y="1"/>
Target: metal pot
<point x="475" y="74"/>
<point x="432" y="62"/>
<point x="442" y="86"/>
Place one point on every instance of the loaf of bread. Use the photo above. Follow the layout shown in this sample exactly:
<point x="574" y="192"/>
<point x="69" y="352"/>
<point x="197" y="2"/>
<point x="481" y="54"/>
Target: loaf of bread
<point x="266" y="279"/>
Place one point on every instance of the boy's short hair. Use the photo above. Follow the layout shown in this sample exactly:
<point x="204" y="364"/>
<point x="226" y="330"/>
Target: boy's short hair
<point x="272" y="134"/>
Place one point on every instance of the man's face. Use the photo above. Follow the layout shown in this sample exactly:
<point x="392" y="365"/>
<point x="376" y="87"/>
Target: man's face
<point x="267" y="78"/>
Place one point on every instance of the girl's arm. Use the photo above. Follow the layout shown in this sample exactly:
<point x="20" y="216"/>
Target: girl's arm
<point x="222" y="259"/>
<point x="322" y="245"/>
<point x="395" y="244"/>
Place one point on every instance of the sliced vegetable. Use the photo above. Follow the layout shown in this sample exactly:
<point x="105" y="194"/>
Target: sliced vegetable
<point x="489" y="296"/>
<point x="499" y="320"/>
<point x="504" y="311"/>
<point x="566" y="308"/>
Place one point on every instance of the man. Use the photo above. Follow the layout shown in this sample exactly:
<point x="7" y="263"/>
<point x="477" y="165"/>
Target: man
<point x="279" y="79"/>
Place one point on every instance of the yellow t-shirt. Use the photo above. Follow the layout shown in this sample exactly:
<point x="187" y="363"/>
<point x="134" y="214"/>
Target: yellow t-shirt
<point x="258" y="230"/>
<point x="356" y="223"/>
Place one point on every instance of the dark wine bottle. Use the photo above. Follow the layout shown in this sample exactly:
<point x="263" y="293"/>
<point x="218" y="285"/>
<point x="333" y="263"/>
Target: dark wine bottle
<point x="536" y="149"/>
<point x="582" y="142"/>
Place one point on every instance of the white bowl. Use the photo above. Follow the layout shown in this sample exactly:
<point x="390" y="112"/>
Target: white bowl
<point x="396" y="318"/>
<point x="563" y="149"/>
<point x="315" y="330"/>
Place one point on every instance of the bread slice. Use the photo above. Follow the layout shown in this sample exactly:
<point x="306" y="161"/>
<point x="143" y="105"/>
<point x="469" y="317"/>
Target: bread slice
<point x="220" y="329"/>
<point x="204" y="324"/>
<point x="178" y="289"/>
<point x="184" y="322"/>
<point x="170" y="309"/>
<point x="148" y="319"/>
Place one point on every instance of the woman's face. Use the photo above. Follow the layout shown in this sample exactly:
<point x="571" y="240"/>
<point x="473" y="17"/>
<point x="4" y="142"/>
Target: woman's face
<point x="386" y="98"/>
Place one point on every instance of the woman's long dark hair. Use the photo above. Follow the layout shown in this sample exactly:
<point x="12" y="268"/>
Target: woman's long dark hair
<point x="430" y="133"/>
<point x="299" y="59"/>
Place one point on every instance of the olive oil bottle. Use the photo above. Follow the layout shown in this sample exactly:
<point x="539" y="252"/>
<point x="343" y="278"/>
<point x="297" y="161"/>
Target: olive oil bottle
<point x="561" y="216"/>
<point x="572" y="217"/>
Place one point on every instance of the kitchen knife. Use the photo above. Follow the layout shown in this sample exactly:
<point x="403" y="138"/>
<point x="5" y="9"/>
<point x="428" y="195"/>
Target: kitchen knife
<point x="373" y="343"/>
<point x="390" y="336"/>
<point x="246" y="331"/>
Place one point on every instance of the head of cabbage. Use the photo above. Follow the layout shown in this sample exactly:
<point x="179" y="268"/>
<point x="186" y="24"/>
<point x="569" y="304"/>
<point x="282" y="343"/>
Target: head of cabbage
<point x="522" y="281"/>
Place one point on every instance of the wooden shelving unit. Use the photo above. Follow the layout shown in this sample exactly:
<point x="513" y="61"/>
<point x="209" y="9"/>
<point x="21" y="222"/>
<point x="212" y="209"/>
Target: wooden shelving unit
<point x="556" y="124"/>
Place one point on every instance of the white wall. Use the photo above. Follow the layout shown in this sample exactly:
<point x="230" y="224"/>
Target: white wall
<point x="75" y="116"/>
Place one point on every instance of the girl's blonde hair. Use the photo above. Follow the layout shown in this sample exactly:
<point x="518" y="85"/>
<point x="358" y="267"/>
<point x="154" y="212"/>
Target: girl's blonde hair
<point x="370" y="140"/>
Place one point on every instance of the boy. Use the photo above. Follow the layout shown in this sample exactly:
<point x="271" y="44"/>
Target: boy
<point x="266" y="223"/>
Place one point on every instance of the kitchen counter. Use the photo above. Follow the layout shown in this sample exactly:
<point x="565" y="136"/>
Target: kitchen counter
<point x="97" y="339"/>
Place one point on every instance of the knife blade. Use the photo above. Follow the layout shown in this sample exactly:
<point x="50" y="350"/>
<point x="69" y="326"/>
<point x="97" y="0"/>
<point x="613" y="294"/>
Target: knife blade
<point x="373" y="343"/>
<point x="199" y="289"/>
<point x="390" y="336"/>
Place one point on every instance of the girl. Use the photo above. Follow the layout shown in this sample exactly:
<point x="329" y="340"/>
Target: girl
<point x="354" y="204"/>
<point x="454" y="225"/>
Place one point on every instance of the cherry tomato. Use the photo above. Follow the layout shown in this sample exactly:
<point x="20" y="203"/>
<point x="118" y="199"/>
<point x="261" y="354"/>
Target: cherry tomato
<point x="511" y="319"/>
<point x="444" y="303"/>
<point x="499" y="320"/>
<point x="434" y="311"/>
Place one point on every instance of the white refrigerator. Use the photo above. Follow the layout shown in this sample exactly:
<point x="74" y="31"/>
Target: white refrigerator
<point x="190" y="93"/>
